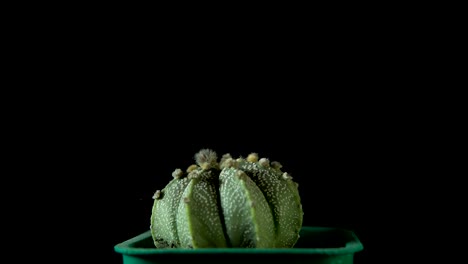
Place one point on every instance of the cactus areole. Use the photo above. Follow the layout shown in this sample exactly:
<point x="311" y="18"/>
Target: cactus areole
<point x="244" y="202"/>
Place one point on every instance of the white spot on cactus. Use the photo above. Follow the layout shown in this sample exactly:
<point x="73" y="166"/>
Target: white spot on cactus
<point x="177" y="173"/>
<point x="286" y="176"/>
<point x="241" y="175"/>
<point x="206" y="159"/>
<point x="225" y="157"/>
<point x="229" y="163"/>
<point x="264" y="162"/>
<point x="157" y="194"/>
<point x="205" y="166"/>
<point x="194" y="174"/>
<point x="252" y="157"/>
<point x="192" y="168"/>
<point x="276" y="165"/>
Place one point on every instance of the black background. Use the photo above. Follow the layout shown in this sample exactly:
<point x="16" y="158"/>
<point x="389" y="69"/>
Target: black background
<point x="134" y="106"/>
<point x="107" y="152"/>
<point x="339" y="150"/>
<point x="114" y="148"/>
<point x="345" y="137"/>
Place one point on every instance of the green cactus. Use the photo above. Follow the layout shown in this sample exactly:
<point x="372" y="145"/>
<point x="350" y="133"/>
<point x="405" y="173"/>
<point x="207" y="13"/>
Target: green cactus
<point x="234" y="203"/>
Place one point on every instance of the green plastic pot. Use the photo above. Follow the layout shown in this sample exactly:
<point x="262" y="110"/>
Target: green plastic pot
<point x="316" y="245"/>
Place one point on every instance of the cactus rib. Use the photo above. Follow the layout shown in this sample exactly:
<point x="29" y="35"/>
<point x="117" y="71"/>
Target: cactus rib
<point x="234" y="203"/>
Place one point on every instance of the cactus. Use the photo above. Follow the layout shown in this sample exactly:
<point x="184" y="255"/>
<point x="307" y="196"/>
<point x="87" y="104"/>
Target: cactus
<point x="244" y="202"/>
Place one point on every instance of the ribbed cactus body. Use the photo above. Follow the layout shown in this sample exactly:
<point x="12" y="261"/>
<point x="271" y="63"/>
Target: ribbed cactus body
<point x="237" y="203"/>
<point x="247" y="215"/>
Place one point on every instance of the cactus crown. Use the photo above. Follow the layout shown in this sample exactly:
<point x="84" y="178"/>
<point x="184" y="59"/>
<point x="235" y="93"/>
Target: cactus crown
<point x="234" y="203"/>
<point x="206" y="159"/>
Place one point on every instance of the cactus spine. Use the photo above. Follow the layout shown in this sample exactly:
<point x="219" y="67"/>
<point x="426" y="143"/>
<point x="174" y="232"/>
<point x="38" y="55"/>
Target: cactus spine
<point x="234" y="203"/>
